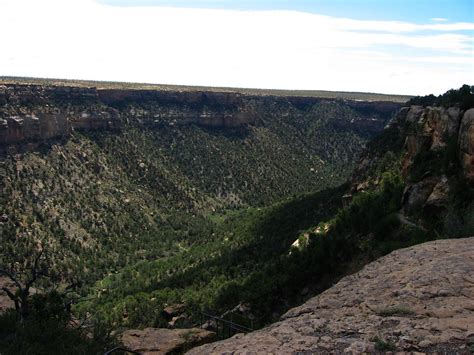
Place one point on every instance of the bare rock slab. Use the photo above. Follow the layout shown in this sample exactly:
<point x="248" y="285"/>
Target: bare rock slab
<point x="418" y="299"/>
<point x="159" y="341"/>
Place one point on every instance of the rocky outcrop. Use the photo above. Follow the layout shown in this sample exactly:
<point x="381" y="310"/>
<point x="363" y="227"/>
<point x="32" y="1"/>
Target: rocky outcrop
<point x="439" y="196"/>
<point x="431" y="139"/>
<point x="466" y="144"/>
<point x="35" y="113"/>
<point x="157" y="341"/>
<point x="415" y="299"/>
<point x="432" y="129"/>
<point x="437" y="123"/>
<point x="30" y="127"/>
<point x="429" y="132"/>
<point x="428" y="129"/>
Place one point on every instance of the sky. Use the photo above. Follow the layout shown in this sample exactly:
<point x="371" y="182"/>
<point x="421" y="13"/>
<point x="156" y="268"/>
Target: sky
<point x="412" y="47"/>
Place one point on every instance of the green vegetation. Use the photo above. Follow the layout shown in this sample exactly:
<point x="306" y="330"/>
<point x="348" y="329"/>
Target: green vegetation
<point x="251" y="260"/>
<point x="244" y="261"/>
<point x="49" y="329"/>
<point x="382" y="345"/>
<point x="463" y="97"/>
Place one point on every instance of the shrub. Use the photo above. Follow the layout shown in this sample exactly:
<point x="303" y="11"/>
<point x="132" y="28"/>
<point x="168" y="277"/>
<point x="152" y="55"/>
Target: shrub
<point x="382" y="345"/>
<point x="394" y="311"/>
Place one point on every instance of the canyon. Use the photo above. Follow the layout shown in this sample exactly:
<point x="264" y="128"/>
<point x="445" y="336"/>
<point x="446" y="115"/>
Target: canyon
<point x="239" y="203"/>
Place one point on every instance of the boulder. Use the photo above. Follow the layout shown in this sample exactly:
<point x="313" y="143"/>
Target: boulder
<point x="439" y="197"/>
<point x="416" y="195"/>
<point x="181" y="321"/>
<point x="157" y="341"/>
<point x="174" y="310"/>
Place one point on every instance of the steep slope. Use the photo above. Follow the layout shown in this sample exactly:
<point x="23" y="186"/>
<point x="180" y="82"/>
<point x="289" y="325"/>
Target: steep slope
<point x="415" y="299"/>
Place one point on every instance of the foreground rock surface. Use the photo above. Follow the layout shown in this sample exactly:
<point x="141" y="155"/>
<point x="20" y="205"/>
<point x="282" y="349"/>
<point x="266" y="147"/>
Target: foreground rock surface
<point x="415" y="299"/>
<point x="156" y="341"/>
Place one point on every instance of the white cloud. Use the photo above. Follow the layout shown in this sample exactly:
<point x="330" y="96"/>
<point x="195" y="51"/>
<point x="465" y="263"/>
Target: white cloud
<point x="273" y="49"/>
<point x="439" y="19"/>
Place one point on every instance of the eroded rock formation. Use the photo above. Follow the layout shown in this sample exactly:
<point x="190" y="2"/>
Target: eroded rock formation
<point x="35" y="113"/>
<point x="434" y="128"/>
<point x="433" y="141"/>
<point x="212" y="109"/>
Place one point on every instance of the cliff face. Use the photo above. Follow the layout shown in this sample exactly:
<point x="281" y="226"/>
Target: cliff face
<point x="230" y="110"/>
<point x="433" y="130"/>
<point x="150" y="107"/>
<point x="434" y="141"/>
<point x="37" y="112"/>
<point x="432" y="149"/>
<point x="466" y="144"/>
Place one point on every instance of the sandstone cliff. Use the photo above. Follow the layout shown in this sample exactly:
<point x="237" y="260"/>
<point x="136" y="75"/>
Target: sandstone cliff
<point x="415" y="299"/>
<point x="30" y="112"/>
<point x="211" y="109"/>
<point x="228" y="109"/>
<point x="436" y="143"/>
<point x="439" y="148"/>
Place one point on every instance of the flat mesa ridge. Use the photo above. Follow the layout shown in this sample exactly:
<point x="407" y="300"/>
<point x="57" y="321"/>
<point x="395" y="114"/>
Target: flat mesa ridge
<point x="362" y="96"/>
<point x="415" y="299"/>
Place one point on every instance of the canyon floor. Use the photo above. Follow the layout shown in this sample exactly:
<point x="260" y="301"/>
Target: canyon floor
<point x="415" y="299"/>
